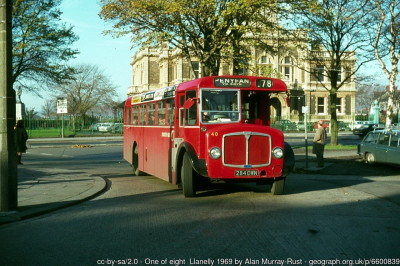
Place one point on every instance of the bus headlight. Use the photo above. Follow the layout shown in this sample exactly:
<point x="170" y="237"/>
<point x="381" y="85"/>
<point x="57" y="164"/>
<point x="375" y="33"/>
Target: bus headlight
<point x="277" y="152"/>
<point x="215" y="153"/>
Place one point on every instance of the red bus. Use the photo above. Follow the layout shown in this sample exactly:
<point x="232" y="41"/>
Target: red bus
<point x="213" y="127"/>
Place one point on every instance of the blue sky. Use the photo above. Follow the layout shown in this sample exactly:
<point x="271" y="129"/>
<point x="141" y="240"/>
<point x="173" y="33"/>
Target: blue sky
<point x="111" y="55"/>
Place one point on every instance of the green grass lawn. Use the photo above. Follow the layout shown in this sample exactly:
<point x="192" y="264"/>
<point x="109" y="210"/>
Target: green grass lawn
<point x="48" y="133"/>
<point x="340" y="147"/>
<point x="56" y="133"/>
<point x="330" y="147"/>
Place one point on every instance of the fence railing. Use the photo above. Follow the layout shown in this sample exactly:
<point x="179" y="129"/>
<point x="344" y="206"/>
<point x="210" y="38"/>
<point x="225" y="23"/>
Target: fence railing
<point x="40" y="128"/>
<point x="46" y="128"/>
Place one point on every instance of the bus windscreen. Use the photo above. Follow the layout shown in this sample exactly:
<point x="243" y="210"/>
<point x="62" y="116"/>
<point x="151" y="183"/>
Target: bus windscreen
<point x="220" y="106"/>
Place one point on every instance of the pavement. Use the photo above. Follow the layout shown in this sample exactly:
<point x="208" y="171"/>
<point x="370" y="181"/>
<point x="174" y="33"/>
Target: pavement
<point x="47" y="190"/>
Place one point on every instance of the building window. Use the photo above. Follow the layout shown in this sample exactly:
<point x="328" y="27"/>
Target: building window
<point x="347" y="74"/>
<point x="286" y="68"/>
<point x="265" y="66"/>
<point x="339" y="105"/>
<point x="243" y="68"/>
<point x="320" y="72"/>
<point x="287" y="72"/>
<point x="264" y="60"/>
<point x="321" y="105"/>
<point x="196" y="69"/>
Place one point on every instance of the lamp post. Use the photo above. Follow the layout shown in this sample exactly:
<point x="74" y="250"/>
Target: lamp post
<point x="376" y="112"/>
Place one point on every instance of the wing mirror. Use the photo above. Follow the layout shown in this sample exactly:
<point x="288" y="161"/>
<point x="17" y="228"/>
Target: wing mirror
<point x="189" y="103"/>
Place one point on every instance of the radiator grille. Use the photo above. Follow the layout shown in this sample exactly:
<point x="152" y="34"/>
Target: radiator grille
<point x="246" y="149"/>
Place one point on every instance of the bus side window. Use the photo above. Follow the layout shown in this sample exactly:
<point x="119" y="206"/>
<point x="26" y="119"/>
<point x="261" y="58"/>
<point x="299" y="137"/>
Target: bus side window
<point x="128" y="116"/>
<point x="150" y="113"/>
<point x="191" y="113"/>
<point x="142" y="114"/>
<point x="161" y="113"/>
<point x="134" y="115"/>
<point x="171" y="108"/>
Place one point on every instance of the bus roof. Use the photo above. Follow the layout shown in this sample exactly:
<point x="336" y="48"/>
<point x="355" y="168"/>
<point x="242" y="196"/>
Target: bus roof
<point x="242" y="82"/>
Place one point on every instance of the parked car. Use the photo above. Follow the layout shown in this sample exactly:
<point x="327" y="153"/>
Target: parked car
<point x="380" y="146"/>
<point x="95" y="127"/>
<point x="284" y="125"/>
<point x="116" y="127"/>
<point x="358" y="124"/>
<point x="365" y="128"/>
<point x="325" y="124"/>
<point x="343" y="126"/>
<point x="301" y="126"/>
<point x="105" y="127"/>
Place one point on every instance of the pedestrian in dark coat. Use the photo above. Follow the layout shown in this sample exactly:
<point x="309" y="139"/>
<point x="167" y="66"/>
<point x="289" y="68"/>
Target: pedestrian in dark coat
<point x="21" y="136"/>
<point x="319" y="144"/>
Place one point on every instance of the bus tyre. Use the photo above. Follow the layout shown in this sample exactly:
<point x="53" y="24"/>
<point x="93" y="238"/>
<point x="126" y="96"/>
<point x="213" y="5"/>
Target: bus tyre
<point x="187" y="177"/>
<point x="135" y="162"/>
<point x="278" y="187"/>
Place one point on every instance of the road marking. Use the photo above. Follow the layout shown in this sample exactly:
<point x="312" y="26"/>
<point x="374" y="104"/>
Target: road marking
<point x="49" y="154"/>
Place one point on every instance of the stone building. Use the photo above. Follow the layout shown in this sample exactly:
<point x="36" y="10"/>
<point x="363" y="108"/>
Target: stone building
<point x="164" y="66"/>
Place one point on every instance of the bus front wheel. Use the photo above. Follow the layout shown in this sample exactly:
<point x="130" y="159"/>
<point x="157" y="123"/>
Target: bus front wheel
<point x="187" y="177"/>
<point x="278" y="187"/>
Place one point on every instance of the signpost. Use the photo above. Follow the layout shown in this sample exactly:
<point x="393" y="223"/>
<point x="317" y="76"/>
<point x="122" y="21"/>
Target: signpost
<point x="304" y="110"/>
<point x="8" y="156"/>
<point x="62" y="108"/>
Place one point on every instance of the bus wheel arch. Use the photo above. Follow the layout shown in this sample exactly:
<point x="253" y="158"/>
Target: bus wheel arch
<point x="179" y="159"/>
<point x="135" y="159"/>
<point x="185" y="171"/>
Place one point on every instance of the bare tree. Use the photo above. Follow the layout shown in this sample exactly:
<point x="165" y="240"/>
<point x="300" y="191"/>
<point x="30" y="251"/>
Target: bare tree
<point x="386" y="44"/>
<point x="49" y="108"/>
<point x="89" y="87"/>
<point x="31" y="113"/>
<point x="337" y="31"/>
<point x="366" y="94"/>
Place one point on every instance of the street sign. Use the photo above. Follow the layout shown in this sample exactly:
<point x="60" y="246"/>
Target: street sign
<point x="304" y="109"/>
<point x="62" y="106"/>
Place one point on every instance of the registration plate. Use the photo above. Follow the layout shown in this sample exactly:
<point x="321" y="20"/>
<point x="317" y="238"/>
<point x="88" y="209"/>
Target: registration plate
<point x="246" y="172"/>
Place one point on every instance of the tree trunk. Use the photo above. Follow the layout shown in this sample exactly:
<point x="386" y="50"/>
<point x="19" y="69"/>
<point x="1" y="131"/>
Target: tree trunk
<point x="236" y="52"/>
<point x="334" y="122"/>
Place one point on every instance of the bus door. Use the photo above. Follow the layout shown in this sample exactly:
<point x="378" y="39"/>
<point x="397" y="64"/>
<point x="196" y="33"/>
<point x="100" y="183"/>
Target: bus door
<point x="255" y="107"/>
<point x="186" y="121"/>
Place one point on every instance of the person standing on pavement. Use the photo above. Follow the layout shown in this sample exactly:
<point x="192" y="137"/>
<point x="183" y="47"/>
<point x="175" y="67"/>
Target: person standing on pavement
<point x="319" y="144"/>
<point x="21" y="136"/>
